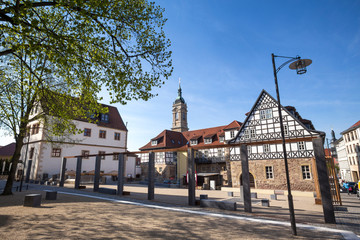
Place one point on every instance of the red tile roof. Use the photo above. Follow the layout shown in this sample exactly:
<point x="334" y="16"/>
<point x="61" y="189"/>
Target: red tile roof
<point x="7" y="150"/>
<point x="327" y="152"/>
<point x="233" y="125"/>
<point x="170" y="139"/>
<point x="115" y="120"/>
<point x="167" y="139"/>
<point x="356" y="125"/>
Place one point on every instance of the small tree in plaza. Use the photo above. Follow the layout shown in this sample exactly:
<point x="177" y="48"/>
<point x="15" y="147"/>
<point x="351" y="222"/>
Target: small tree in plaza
<point x="61" y="54"/>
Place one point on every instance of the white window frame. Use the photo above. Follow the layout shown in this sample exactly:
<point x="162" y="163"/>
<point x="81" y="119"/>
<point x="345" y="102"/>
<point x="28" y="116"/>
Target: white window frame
<point x="266" y="114"/>
<point x="232" y="134"/>
<point x="193" y="142"/>
<point x="252" y="133"/>
<point x="249" y="149"/>
<point x="266" y="148"/>
<point x="208" y="140"/>
<point x="154" y="142"/>
<point x="220" y="152"/>
<point x="286" y="130"/>
<point x="246" y="134"/>
<point x="269" y="172"/>
<point x="305" y="171"/>
<point x="221" y="139"/>
<point x="301" y="146"/>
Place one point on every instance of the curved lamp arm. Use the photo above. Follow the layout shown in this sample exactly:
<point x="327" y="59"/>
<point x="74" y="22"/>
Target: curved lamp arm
<point x="292" y="59"/>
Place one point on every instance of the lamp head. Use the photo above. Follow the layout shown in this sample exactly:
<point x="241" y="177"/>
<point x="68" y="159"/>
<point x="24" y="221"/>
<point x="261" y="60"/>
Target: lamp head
<point x="300" y="65"/>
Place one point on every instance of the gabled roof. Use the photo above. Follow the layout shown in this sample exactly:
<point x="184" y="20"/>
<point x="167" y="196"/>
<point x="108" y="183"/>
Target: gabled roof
<point x="233" y="125"/>
<point x="201" y="134"/>
<point x="170" y="139"/>
<point x="211" y="135"/>
<point x="356" y="125"/>
<point x="8" y="150"/>
<point x="306" y="122"/>
<point x="249" y="114"/>
<point x="115" y="120"/>
<point x="166" y="139"/>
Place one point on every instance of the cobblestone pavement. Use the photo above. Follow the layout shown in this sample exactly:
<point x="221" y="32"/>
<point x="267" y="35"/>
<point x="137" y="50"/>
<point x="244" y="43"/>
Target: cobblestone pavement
<point x="347" y="216"/>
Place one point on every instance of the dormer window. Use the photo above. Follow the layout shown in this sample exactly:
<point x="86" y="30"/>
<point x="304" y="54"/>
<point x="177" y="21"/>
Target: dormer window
<point x="208" y="140"/>
<point x="104" y="117"/>
<point x="221" y="139"/>
<point x="232" y="134"/>
<point x="154" y="142"/>
<point x="194" y="142"/>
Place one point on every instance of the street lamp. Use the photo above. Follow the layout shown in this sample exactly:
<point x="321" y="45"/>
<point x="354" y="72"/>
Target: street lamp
<point x="299" y="65"/>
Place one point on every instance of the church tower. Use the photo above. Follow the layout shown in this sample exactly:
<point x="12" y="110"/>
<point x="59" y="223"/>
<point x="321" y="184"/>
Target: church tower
<point x="179" y="111"/>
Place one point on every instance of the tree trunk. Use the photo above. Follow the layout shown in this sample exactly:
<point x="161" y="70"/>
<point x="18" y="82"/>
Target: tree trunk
<point x="14" y="161"/>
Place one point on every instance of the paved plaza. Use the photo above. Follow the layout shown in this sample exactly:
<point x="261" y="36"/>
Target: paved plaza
<point x="83" y="214"/>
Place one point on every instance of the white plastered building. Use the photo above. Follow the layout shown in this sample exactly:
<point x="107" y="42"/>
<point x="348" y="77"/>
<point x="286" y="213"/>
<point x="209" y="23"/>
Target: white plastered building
<point x="108" y="135"/>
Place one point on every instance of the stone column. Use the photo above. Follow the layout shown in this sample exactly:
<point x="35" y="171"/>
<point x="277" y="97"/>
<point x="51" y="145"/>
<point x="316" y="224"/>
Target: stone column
<point x="228" y="166"/>
<point x="28" y="170"/>
<point x="62" y="173"/>
<point x="120" y="183"/>
<point x="245" y="177"/>
<point x="97" y="173"/>
<point x="78" y="172"/>
<point x="324" y="184"/>
<point x="151" y="176"/>
<point x="191" y="176"/>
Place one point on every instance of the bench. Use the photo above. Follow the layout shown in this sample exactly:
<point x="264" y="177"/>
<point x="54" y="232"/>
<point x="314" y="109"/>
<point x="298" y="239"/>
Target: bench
<point x="265" y="202"/>
<point x="225" y="205"/>
<point x="32" y="200"/>
<point x="50" y="195"/>
<point x="107" y="191"/>
<point x="279" y="192"/>
<point x="273" y="197"/>
<point x="276" y="193"/>
<point x="203" y="196"/>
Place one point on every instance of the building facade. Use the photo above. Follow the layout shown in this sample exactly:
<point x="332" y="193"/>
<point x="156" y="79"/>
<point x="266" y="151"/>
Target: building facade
<point x="345" y="173"/>
<point x="217" y="150"/>
<point x="351" y="145"/>
<point x="261" y="133"/>
<point x="43" y="158"/>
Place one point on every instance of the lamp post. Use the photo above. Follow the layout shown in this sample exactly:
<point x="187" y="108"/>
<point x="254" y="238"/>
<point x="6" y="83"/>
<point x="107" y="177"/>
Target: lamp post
<point x="299" y="65"/>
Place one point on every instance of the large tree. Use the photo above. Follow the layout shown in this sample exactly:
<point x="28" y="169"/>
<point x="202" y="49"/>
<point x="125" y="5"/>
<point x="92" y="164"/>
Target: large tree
<point x="74" y="48"/>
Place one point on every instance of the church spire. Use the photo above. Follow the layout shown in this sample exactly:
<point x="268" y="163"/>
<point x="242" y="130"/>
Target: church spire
<point x="179" y="97"/>
<point x="179" y="113"/>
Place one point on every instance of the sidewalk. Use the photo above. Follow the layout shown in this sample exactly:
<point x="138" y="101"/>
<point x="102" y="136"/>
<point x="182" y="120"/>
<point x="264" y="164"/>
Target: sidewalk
<point x="307" y="213"/>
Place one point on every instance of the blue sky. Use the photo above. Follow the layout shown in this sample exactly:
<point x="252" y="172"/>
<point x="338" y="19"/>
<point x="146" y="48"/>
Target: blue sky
<point x="222" y="53"/>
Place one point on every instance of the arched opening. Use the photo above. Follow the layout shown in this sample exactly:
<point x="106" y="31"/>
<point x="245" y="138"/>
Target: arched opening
<point x="252" y="180"/>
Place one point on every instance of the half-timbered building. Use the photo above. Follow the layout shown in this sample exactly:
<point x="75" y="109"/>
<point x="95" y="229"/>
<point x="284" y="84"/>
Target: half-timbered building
<point x="261" y="133"/>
